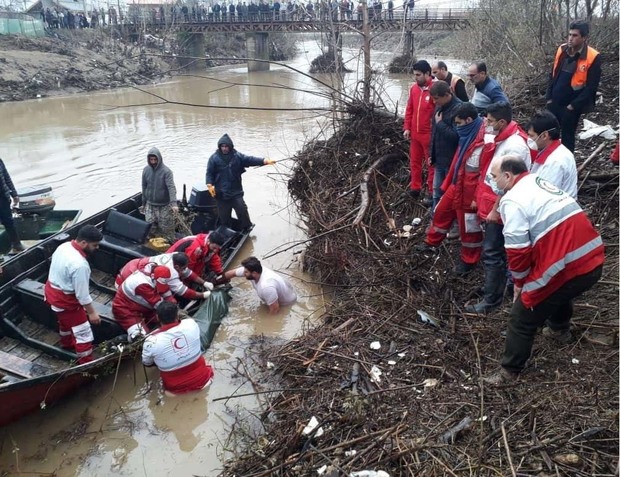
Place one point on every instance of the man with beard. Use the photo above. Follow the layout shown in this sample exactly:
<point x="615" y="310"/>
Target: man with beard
<point x="573" y="81"/>
<point x="68" y="295"/>
<point x="159" y="195"/>
<point x="417" y="128"/>
<point x="224" y="171"/>
<point x="275" y="291"/>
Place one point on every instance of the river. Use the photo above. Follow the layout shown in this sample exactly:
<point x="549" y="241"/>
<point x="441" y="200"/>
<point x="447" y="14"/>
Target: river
<point x="91" y="148"/>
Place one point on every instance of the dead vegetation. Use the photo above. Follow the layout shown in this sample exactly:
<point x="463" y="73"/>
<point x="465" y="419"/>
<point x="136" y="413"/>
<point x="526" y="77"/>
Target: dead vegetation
<point x="392" y="374"/>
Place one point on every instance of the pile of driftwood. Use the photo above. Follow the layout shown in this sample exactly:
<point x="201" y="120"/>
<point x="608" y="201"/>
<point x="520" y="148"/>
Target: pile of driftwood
<point x="390" y="380"/>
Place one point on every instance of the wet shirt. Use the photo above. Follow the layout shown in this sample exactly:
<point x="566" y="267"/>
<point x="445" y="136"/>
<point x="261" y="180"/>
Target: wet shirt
<point x="271" y="287"/>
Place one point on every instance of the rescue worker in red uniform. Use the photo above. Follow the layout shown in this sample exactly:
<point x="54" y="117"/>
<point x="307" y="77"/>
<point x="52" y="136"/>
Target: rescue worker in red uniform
<point x="203" y="250"/>
<point x="459" y="199"/>
<point x="68" y="294"/>
<point x="175" y="350"/>
<point x="417" y="128"/>
<point x="137" y="298"/>
<point x="574" y="81"/>
<point x="554" y="254"/>
<point x="179" y="272"/>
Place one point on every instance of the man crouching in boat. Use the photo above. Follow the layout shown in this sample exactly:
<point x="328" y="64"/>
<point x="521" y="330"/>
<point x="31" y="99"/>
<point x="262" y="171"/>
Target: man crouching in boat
<point x="179" y="272"/>
<point x="137" y="297"/>
<point x="203" y="251"/>
<point x="175" y="350"/>
<point x="67" y="292"/>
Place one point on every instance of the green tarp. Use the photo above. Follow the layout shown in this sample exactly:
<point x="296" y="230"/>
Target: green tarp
<point x="27" y="26"/>
<point x="210" y="315"/>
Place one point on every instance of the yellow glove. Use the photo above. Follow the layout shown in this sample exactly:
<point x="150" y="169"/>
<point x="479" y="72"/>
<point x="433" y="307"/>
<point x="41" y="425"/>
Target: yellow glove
<point x="269" y="162"/>
<point x="211" y="188"/>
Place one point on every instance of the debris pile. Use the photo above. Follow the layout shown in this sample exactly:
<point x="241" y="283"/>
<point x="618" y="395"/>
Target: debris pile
<point x="390" y="381"/>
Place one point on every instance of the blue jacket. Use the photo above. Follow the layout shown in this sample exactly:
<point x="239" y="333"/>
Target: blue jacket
<point x="224" y="170"/>
<point x="488" y="93"/>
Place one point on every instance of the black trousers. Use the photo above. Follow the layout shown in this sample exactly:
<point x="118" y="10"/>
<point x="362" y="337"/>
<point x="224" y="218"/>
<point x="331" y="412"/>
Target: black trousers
<point x="568" y="123"/>
<point x="6" y="217"/>
<point x="556" y="311"/>
<point x="225" y="208"/>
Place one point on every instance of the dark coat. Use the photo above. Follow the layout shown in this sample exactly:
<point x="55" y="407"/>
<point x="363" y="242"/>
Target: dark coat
<point x="224" y="170"/>
<point x="444" y="138"/>
<point x="6" y="184"/>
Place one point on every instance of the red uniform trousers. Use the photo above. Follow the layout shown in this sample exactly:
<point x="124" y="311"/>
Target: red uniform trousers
<point x="419" y="155"/>
<point x="76" y="333"/>
<point x="73" y="325"/>
<point x="444" y="215"/>
<point x="189" y="378"/>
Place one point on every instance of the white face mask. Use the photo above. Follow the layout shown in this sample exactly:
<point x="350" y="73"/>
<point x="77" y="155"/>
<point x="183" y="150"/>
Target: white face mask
<point x="532" y="144"/>
<point x="490" y="130"/>
<point x="495" y="188"/>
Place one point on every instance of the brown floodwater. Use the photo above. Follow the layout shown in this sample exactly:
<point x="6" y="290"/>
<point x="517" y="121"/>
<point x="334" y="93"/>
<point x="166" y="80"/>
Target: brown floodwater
<point x="91" y="148"/>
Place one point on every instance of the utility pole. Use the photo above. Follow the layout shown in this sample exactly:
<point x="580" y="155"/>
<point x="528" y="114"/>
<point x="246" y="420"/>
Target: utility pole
<point x="366" y="47"/>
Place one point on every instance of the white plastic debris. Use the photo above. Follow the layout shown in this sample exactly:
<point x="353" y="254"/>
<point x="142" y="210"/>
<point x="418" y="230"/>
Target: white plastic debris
<point x="311" y="426"/>
<point x="357" y="353"/>
<point x="391" y="363"/>
<point x="350" y="453"/>
<point x="426" y="318"/>
<point x="401" y="355"/>
<point x="270" y="365"/>
<point x="321" y="470"/>
<point x="416" y="221"/>
<point x="375" y="374"/>
<point x="407" y="228"/>
<point x="375" y="345"/>
<point x="369" y="473"/>
<point x="575" y="361"/>
<point x="591" y="129"/>
<point x="430" y="382"/>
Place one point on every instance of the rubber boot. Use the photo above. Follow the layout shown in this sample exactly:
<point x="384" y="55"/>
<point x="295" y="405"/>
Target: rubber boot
<point x="494" y="286"/>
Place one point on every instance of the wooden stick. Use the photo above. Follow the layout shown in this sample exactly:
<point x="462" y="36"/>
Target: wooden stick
<point x="512" y="467"/>
<point x="364" y="188"/>
<point x="591" y="157"/>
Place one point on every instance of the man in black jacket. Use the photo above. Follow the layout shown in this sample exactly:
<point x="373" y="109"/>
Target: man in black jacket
<point x="574" y="80"/>
<point x="8" y="200"/>
<point x="444" y="138"/>
<point x="223" y="178"/>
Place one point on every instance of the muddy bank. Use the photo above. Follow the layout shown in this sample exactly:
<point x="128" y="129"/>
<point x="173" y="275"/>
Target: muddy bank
<point x="392" y="375"/>
<point x="77" y="62"/>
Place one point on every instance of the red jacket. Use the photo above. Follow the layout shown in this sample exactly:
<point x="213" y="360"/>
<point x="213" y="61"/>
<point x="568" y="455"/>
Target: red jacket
<point x="485" y="197"/>
<point x="420" y="109"/>
<point x="196" y="247"/>
<point x="549" y="239"/>
<point x="466" y="177"/>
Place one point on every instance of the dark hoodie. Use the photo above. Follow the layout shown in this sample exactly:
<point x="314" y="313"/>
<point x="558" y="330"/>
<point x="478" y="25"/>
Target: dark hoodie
<point x="224" y="170"/>
<point x="158" y="182"/>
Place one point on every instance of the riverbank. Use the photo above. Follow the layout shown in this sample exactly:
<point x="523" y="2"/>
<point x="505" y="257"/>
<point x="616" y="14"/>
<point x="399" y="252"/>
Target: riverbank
<point x="73" y="62"/>
<point x="78" y="61"/>
<point x="391" y="378"/>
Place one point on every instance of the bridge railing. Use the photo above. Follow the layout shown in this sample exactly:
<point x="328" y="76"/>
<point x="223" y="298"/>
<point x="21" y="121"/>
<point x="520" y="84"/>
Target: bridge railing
<point x="145" y="15"/>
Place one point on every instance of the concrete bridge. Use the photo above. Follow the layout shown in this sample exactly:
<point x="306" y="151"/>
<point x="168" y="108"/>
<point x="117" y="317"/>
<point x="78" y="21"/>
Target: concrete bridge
<point x="258" y="26"/>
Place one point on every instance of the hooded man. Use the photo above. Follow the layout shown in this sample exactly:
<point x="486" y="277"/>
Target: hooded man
<point x="159" y="195"/>
<point x="223" y="178"/>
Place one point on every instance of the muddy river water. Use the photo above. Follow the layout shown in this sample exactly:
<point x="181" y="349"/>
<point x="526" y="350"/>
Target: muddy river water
<point x="91" y="149"/>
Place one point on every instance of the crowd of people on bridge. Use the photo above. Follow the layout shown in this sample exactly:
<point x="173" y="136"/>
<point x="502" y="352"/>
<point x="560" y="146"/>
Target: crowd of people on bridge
<point x="509" y="193"/>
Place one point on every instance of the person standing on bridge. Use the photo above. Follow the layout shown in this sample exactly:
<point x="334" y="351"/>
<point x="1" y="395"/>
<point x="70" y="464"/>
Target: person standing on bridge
<point x="224" y="171"/>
